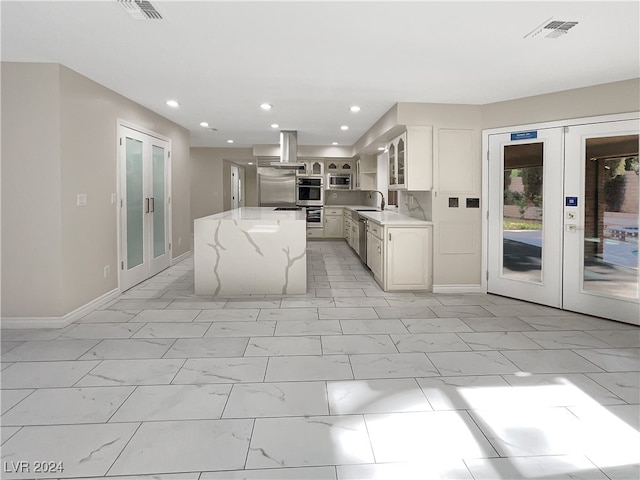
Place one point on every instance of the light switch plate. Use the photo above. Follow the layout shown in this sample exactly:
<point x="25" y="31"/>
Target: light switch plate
<point x="82" y="199"/>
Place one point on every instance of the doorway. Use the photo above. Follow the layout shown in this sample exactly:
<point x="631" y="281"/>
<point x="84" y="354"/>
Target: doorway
<point x="237" y="187"/>
<point x="144" y="186"/>
<point x="563" y="217"/>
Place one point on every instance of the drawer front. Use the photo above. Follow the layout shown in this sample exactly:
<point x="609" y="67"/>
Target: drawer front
<point x="332" y="211"/>
<point x="375" y="229"/>
<point x="315" y="233"/>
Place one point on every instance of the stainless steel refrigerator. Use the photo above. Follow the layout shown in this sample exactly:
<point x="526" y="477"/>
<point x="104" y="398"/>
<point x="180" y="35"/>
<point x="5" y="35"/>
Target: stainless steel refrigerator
<point x="277" y="187"/>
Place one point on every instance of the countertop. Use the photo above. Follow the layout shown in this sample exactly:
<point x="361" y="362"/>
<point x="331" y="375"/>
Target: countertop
<point x="258" y="214"/>
<point x="385" y="217"/>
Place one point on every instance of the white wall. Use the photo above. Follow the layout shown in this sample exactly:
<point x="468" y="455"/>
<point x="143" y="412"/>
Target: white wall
<point x="70" y="149"/>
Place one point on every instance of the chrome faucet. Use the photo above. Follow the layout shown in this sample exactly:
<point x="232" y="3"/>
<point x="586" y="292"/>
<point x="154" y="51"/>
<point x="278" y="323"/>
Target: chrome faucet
<point x="381" y="194"/>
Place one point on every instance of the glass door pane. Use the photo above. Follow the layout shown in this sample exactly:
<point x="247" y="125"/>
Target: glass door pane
<point x="522" y="222"/>
<point x="392" y="164"/>
<point x="135" y="200"/>
<point x="610" y="263"/>
<point x="159" y="243"/>
<point x="401" y="153"/>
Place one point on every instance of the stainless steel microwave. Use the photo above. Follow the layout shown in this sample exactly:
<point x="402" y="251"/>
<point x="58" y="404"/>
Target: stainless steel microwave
<point x="339" y="181"/>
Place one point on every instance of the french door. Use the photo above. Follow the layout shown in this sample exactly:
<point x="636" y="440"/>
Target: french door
<point x="563" y="218"/>
<point x="144" y="206"/>
<point x="601" y="231"/>
<point x="525" y="215"/>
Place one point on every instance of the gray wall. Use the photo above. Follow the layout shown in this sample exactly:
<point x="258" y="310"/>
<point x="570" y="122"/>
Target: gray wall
<point x="58" y="140"/>
<point x="605" y="99"/>
<point x="211" y="179"/>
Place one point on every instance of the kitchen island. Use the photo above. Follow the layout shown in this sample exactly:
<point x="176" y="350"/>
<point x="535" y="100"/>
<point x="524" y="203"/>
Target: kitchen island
<point x="251" y="250"/>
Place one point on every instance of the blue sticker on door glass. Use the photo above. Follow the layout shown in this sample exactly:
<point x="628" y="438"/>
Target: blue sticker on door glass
<point x="571" y="201"/>
<point x="524" y="135"/>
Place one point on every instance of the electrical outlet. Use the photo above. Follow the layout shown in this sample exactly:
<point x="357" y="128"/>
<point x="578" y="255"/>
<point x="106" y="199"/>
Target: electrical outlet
<point x="113" y="199"/>
<point x="179" y="240"/>
<point x="107" y="270"/>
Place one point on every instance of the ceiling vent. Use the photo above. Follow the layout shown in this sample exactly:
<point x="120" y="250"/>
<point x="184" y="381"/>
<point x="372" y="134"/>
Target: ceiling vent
<point x="141" y="9"/>
<point x="552" y="29"/>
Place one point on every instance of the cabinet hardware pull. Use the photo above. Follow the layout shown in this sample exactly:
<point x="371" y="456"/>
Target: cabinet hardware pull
<point x="153" y="204"/>
<point x="389" y="236"/>
<point x="146" y="205"/>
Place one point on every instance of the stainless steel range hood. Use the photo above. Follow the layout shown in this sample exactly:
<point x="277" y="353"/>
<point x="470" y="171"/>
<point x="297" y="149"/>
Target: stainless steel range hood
<point x="288" y="151"/>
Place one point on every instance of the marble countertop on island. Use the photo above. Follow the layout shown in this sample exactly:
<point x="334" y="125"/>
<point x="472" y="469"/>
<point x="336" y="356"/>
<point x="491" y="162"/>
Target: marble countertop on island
<point x="258" y="213"/>
<point x="251" y="250"/>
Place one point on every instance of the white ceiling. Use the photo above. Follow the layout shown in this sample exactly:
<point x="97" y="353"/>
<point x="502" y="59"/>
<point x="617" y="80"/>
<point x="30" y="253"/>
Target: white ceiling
<point x="313" y="60"/>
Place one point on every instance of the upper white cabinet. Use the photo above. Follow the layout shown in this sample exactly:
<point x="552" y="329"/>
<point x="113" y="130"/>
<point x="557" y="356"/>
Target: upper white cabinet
<point x="313" y="167"/>
<point x="339" y="166"/>
<point x="366" y="173"/>
<point x="411" y="159"/>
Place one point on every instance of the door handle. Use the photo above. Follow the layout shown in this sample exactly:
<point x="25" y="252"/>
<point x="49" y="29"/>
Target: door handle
<point x="146" y="205"/>
<point x="153" y="204"/>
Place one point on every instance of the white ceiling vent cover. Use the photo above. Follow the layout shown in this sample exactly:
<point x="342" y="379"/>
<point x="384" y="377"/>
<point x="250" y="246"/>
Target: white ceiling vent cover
<point x="552" y="29"/>
<point x="141" y="9"/>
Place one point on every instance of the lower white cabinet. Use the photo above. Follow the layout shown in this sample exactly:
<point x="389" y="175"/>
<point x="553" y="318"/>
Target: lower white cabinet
<point x="375" y="248"/>
<point x="400" y="257"/>
<point x="315" y="233"/>
<point x="333" y="223"/>
<point x="408" y="258"/>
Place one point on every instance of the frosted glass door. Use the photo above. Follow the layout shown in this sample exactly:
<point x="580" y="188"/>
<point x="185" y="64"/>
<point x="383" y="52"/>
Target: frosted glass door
<point x="159" y="237"/>
<point x="135" y="201"/>
<point x="144" y="195"/>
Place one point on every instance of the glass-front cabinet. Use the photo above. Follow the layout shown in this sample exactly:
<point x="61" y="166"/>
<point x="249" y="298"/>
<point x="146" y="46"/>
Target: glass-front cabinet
<point x="401" y="159"/>
<point x="411" y="159"/>
<point x="393" y="176"/>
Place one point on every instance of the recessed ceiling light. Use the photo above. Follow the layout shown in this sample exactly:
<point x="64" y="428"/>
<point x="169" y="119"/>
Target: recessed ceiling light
<point x="249" y="163"/>
<point x="229" y="141"/>
<point x="274" y="125"/>
<point x="204" y="124"/>
<point x="355" y="108"/>
<point x="173" y="103"/>
<point x="334" y="143"/>
<point x="344" y="127"/>
<point x="266" y="106"/>
<point x="382" y="149"/>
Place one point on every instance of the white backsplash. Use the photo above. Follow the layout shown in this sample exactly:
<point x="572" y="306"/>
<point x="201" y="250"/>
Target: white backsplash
<point x="415" y="204"/>
<point x="349" y="197"/>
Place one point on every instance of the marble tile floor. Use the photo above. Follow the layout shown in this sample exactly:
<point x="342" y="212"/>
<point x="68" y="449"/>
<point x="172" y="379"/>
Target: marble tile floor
<point x="345" y="382"/>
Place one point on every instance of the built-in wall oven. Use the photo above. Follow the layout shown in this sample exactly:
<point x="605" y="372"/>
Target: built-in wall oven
<point x="309" y="190"/>
<point x="314" y="216"/>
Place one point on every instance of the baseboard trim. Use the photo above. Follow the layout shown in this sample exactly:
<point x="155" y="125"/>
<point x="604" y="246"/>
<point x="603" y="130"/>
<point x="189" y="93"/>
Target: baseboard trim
<point x="180" y="258"/>
<point x="472" y="288"/>
<point x="60" y="322"/>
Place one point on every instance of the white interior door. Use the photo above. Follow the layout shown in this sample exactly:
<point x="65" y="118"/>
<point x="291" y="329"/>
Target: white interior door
<point x="601" y="261"/>
<point x="144" y="206"/>
<point x="235" y="187"/>
<point x="525" y="215"/>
